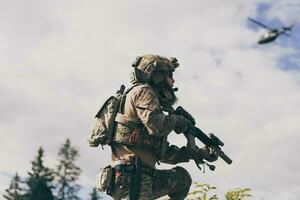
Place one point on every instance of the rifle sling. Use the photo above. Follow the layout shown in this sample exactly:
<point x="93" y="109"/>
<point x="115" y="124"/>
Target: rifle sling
<point x="135" y="181"/>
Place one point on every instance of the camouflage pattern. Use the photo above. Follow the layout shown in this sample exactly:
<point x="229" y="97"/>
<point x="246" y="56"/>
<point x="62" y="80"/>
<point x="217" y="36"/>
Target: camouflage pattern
<point x="104" y="126"/>
<point x="145" y="105"/>
<point x="104" y="179"/>
<point x="175" y="183"/>
<point x="142" y="103"/>
<point x="151" y="63"/>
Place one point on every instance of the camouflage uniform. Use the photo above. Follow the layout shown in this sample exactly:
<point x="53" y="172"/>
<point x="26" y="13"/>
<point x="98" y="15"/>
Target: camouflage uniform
<point x="175" y="183"/>
<point x="144" y="135"/>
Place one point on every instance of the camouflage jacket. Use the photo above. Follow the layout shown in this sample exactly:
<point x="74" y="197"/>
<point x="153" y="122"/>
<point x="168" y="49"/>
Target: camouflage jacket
<point x="147" y="137"/>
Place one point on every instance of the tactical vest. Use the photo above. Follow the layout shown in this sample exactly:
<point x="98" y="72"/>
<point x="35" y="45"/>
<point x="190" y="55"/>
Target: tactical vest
<point x="132" y="132"/>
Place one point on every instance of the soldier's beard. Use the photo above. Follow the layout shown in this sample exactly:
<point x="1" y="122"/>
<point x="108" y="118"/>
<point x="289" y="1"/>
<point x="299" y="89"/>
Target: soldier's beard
<point x="166" y="94"/>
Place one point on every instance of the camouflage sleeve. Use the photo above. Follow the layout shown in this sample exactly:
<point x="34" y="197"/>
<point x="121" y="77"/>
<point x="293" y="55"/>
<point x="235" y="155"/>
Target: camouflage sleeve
<point x="149" y="111"/>
<point x="175" y="155"/>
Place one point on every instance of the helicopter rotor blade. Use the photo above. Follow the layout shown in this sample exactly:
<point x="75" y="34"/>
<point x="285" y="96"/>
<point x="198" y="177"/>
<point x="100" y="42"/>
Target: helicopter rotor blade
<point x="293" y="23"/>
<point x="260" y="24"/>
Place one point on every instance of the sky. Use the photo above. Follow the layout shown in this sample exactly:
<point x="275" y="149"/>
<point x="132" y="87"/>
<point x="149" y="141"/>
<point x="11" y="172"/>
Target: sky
<point x="59" y="60"/>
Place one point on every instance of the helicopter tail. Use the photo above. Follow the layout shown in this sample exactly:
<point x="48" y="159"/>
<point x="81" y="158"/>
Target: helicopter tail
<point x="289" y="28"/>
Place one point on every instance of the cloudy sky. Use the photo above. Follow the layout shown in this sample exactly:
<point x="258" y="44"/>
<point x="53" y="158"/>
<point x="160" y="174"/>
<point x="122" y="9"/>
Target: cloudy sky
<point x="59" y="60"/>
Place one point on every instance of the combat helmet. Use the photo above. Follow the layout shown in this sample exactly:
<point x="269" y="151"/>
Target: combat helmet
<point x="152" y="69"/>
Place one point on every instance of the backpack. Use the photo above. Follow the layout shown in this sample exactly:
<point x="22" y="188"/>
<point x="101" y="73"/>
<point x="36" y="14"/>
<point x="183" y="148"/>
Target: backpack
<point x="103" y="129"/>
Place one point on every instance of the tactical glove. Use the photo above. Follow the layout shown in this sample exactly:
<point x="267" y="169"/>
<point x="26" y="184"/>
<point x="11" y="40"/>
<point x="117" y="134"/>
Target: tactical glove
<point x="202" y="153"/>
<point x="210" y="154"/>
<point x="182" y="124"/>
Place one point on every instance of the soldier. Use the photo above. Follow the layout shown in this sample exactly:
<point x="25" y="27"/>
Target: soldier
<point x="141" y="135"/>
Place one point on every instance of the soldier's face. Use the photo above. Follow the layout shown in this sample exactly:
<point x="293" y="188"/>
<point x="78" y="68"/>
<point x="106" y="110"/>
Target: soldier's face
<point x="170" y="79"/>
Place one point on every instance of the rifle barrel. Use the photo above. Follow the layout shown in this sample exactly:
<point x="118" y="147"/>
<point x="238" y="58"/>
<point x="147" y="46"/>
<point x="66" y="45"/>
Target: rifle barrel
<point x="222" y="155"/>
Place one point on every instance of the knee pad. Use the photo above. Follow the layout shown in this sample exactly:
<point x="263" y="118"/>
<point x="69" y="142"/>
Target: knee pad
<point x="184" y="175"/>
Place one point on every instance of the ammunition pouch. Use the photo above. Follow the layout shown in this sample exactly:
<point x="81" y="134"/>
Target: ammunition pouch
<point x="138" y="137"/>
<point x="105" y="180"/>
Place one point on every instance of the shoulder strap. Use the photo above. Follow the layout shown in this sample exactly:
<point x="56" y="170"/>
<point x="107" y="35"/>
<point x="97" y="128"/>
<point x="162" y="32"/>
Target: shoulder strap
<point x="123" y="98"/>
<point x="120" y="117"/>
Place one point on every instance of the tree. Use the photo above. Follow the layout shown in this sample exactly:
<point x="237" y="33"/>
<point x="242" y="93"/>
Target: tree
<point x="40" y="179"/>
<point x="67" y="173"/>
<point x="94" y="195"/>
<point x="15" y="192"/>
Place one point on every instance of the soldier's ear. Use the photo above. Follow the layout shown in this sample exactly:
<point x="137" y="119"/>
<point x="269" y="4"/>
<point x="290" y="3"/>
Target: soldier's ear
<point x="137" y="76"/>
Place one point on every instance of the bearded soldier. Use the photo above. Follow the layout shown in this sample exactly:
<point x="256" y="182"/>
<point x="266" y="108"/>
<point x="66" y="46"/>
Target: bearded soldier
<point x="140" y="141"/>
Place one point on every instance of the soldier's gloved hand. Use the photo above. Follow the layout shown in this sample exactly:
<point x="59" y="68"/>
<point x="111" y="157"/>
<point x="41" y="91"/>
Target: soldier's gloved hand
<point x="202" y="153"/>
<point x="209" y="154"/>
<point x="182" y="124"/>
<point x="193" y="153"/>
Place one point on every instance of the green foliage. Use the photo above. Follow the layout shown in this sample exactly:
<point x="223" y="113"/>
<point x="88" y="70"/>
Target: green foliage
<point x="15" y="192"/>
<point x="67" y="173"/>
<point x="202" y="191"/>
<point x="40" y="180"/>
<point x="238" y="194"/>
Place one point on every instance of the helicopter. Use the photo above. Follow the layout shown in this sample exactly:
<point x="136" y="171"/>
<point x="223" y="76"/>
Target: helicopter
<point x="272" y="33"/>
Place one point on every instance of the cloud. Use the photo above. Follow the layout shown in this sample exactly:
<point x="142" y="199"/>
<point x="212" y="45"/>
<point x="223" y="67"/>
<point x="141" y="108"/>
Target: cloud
<point x="60" y="62"/>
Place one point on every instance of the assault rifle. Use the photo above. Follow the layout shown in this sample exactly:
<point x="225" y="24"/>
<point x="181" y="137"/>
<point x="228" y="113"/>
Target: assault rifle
<point x="210" y="141"/>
